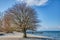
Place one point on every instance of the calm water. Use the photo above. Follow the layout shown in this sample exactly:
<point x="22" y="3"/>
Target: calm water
<point x="53" y="34"/>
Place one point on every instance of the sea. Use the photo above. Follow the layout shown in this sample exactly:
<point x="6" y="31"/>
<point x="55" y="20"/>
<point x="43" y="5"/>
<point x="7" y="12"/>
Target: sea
<point x="53" y="34"/>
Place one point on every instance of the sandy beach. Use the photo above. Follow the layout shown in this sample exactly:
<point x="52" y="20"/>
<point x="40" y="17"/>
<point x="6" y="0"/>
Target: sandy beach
<point x="19" y="36"/>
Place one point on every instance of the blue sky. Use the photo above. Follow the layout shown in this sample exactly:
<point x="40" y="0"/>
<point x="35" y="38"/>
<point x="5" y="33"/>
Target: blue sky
<point x="48" y="11"/>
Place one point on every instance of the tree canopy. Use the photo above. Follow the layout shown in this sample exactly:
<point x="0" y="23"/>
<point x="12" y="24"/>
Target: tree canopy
<point x="22" y="15"/>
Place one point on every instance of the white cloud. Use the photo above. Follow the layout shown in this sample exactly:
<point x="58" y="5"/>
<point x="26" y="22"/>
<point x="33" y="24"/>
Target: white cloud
<point x="34" y="2"/>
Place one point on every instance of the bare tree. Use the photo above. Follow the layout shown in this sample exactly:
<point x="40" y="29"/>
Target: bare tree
<point x="1" y="28"/>
<point x="0" y="19"/>
<point x="0" y="22"/>
<point x="0" y="25"/>
<point x="7" y="23"/>
<point x="24" y="16"/>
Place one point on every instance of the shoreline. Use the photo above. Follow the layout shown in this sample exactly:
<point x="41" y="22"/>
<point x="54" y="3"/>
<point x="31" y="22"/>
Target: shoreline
<point x="18" y="35"/>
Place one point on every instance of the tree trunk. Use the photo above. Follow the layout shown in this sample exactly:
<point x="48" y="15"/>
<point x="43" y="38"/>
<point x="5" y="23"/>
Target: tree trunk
<point x="24" y="31"/>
